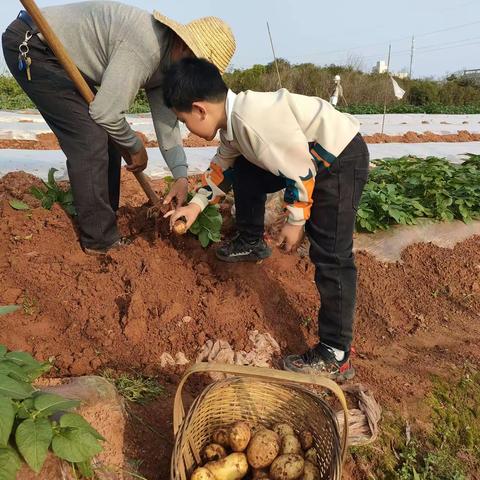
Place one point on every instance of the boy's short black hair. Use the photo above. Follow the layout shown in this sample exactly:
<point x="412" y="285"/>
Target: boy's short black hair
<point x="192" y="80"/>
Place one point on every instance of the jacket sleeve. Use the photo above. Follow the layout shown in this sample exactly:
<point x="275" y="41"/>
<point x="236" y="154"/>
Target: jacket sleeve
<point x="168" y="133"/>
<point x="120" y="83"/>
<point x="217" y="180"/>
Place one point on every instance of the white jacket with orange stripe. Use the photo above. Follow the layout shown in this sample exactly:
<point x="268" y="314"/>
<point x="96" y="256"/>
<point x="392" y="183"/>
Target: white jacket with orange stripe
<point x="273" y="130"/>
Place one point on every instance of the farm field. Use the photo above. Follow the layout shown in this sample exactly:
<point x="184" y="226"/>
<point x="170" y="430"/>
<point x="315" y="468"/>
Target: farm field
<point x="153" y="308"/>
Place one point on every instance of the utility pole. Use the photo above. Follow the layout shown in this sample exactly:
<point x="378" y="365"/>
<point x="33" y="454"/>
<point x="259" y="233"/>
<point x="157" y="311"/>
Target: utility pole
<point x="411" y="56"/>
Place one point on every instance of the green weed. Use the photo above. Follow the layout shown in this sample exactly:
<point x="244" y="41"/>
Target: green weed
<point x="135" y="387"/>
<point x="54" y="194"/>
<point x="448" y="450"/>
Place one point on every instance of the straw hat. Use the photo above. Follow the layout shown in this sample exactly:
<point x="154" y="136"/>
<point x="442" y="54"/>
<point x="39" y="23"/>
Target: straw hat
<point x="207" y="37"/>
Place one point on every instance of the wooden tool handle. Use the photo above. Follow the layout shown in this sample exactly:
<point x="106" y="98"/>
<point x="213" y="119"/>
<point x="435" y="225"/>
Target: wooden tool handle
<point x="74" y="73"/>
<point x="59" y="50"/>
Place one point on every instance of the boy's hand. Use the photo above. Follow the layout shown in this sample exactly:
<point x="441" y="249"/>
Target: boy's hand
<point x="178" y="192"/>
<point x="190" y="212"/>
<point x="290" y="236"/>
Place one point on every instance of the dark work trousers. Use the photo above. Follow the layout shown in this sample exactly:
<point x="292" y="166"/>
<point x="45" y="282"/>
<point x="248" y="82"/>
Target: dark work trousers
<point x="93" y="162"/>
<point x="330" y="230"/>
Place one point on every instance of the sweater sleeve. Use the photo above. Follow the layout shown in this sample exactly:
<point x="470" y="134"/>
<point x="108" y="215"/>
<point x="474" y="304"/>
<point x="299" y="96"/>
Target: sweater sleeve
<point x="168" y="133"/>
<point x="217" y="180"/>
<point x="120" y="83"/>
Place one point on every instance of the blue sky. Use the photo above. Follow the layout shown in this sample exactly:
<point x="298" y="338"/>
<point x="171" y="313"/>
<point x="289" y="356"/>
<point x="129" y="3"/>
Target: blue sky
<point x="447" y="31"/>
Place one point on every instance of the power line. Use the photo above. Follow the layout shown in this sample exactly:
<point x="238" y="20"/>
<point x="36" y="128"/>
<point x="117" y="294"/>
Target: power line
<point x="446" y="48"/>
<point x="346" y="50"/>
<point x="448" y="29"/>
<point x="453" y="44"/>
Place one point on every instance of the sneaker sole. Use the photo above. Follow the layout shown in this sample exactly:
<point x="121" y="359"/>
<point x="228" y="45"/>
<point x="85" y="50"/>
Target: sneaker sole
<point x="337" y="377"/>
<point x="105" y="251"/>
<point x="95" y="253"/>
<point x="246" y="258"/>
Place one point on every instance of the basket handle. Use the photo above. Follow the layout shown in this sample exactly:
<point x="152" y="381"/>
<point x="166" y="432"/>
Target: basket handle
<point x="279" y="376"/>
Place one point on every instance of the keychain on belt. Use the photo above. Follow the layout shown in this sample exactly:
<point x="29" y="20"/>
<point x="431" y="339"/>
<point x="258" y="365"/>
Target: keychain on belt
<point x="24" y="61"/>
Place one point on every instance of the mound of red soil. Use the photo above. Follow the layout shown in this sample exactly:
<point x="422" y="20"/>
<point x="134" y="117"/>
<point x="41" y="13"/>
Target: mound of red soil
<point x="48" y="141"/>
<point x="414" y="137"/>
<point x="125" y="310"/>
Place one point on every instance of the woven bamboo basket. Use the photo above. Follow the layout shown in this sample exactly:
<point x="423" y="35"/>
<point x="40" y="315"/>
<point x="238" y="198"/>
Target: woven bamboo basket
<point x="261" y="396"/>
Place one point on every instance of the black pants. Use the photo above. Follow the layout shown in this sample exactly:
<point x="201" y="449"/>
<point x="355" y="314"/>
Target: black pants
<point x="93" y="163"/>
<point x="330" y="230"/>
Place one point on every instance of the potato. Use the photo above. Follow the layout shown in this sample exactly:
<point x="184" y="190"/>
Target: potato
<point x="239" y="436"/>
<point x="306" y="439"/>
<point x="213" y="452"/>
<point x="311" y="455"/>
<point x="256" y="428"/>
<point x="233" y="467"/>
<point x="180" y="227"/>
<point x="310" y="472"/>
<point x="283" y="429"/>
<point x="291" y="444"/>
<point x="287" y="467"/>
<point x="263" y="448"/>
<point x="260" y="474"/>
<point x="202" y="474"/>
<point x="220" y="437"/>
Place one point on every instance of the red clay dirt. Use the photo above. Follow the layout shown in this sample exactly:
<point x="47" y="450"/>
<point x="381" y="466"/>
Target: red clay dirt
<point x="48" y="141"/>
<point x="414" y="318"/>
<point x="426" y="137"/>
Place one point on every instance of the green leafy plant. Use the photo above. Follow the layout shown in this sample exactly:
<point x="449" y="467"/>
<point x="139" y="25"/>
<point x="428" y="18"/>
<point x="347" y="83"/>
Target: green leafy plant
<point x="400" y="191"/>
<point x="32" y="422"/>
<point x="54" y="194"/>
<point x="208" y="225"/>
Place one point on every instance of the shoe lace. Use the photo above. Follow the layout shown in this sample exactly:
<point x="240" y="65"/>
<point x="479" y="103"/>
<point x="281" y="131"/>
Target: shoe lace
<point x="320" y="354"/>
<point x="239" y="245"/>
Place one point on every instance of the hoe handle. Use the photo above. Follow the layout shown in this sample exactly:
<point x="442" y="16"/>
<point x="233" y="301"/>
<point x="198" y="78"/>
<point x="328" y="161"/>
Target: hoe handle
<point x="74" y="73"/>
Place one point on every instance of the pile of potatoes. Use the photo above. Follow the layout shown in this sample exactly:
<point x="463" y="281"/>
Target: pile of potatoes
<point x="258" y="453"/>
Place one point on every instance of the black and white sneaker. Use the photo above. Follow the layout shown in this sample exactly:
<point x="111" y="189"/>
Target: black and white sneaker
<point x="321" y="360"/>
<point x="240" y="250"/>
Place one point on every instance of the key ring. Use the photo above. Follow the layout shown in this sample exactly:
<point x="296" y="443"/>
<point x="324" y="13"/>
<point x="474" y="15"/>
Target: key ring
<point x="23" y="47"/>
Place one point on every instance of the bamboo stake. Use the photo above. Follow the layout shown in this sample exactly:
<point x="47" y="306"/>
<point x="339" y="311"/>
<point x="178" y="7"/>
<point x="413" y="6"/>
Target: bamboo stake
<point x="274" y="56"/>
<point x="386" y="87"/>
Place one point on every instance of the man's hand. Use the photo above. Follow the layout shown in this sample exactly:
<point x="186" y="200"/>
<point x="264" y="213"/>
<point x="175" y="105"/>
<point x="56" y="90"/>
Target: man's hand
<point x="290" y="237"/>
<point x="136" y="162"/>
<point x="178" y="192"/>
<point x="190" y="212"/>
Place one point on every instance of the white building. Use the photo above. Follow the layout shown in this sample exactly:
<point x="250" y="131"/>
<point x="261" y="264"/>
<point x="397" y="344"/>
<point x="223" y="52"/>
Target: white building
<point x="382" y="67"/>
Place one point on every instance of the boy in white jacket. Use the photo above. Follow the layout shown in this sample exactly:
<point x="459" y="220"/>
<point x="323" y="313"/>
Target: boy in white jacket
<point x="272" y="141"/>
